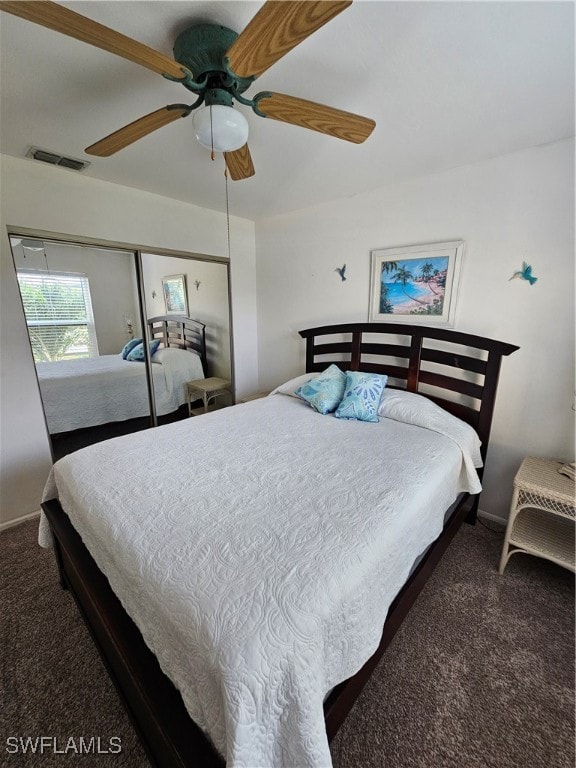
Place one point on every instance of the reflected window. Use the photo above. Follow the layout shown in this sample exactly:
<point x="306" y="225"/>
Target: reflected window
<point x="59" y="315"/>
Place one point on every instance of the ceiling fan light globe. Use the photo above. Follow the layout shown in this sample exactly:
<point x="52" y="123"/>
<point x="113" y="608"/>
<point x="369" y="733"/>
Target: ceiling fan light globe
<point x="221" y="128"/>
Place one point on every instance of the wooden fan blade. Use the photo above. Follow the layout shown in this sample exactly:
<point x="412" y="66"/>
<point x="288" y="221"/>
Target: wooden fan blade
<point x="136" y="130"/>
<point x="239" y="163"/>
<point x="317" y="117"/>
<point x="279" y="26"/>
<point x="70" y="23"/>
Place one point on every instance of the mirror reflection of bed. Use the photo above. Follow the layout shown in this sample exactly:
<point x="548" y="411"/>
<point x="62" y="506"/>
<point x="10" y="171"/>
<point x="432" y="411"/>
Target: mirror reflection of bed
<point x="206" y="300"/>
<point x="85" y="315"/>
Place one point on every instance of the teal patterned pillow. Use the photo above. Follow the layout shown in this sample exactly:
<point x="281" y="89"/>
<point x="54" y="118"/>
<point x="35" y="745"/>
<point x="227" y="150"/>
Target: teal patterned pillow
<point x="129" y="346"/>
<point x="361" y="396"/>
<point x="137" y="354"/>
<point x="325" y="391"/>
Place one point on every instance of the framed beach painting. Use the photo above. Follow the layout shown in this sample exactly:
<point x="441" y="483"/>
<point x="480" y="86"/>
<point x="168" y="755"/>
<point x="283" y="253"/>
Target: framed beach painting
<point x="175" y="295"/>
<point x="415" y="283"/>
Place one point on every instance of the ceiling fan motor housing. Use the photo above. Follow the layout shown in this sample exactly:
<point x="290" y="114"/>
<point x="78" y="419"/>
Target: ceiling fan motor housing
<point x="202" y="49"/>
<point x="217" y="96"/>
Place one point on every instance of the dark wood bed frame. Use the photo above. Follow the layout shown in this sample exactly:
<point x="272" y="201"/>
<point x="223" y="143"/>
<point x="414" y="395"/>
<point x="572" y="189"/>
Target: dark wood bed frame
<point x="410" y="354"/>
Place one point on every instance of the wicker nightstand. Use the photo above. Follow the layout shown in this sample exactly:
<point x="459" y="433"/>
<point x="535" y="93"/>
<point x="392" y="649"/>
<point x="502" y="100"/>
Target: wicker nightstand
<point x="542" y="515"/>
<point x="206" y="390"/>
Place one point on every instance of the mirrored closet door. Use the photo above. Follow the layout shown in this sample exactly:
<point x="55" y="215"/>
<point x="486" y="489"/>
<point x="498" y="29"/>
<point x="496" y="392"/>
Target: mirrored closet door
<point x="93" y="315"/>
<point x="188" y="313"/>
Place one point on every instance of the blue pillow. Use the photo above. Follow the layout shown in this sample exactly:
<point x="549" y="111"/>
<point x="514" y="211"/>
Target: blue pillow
<point x="137" y="354"/>
<point x="325" y="391"/>
<point x="127" y="348"/>
<point x="361" y="396"/>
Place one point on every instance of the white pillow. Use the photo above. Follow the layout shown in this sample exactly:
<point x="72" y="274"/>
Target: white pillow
<point x="400" y="397"/>
<point x="412" y="408"/>
<point x="289" y="387"/>
<point x="165" y="353"/>
<point x="409" y="404"/>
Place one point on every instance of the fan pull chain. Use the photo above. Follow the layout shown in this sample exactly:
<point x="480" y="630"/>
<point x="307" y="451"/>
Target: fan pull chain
<point x="227" y="211"/>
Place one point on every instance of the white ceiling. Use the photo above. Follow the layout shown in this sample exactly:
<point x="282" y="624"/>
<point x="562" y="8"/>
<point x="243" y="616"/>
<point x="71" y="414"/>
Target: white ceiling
<point x="448" y="84"/>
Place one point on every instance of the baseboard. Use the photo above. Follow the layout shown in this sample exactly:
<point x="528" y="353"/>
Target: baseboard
<point x="492" y="518"/>
<point x="18" y="520"/>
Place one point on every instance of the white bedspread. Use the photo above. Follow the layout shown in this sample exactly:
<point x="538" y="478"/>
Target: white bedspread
<point x="262" y="575"/>
<point x="97" y="390"/>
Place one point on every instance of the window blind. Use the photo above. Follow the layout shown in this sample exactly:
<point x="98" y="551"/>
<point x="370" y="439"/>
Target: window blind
<point x="59" y="315"/>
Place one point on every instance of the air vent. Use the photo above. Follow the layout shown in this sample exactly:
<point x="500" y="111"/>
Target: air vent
<point x="45" y="156"/>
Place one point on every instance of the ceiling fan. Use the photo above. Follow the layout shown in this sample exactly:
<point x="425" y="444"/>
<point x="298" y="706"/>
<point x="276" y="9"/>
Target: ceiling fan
<point x="218" y="66"/>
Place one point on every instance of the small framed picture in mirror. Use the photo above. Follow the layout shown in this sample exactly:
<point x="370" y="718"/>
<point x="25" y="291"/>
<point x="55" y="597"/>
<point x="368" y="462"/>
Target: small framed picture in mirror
<point x="175" y="294"/>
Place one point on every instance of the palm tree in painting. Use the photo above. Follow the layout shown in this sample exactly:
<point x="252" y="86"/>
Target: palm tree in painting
<point x="386" y="307"/>
<point x="427" y="272"/>
<point x="403" y="276"/>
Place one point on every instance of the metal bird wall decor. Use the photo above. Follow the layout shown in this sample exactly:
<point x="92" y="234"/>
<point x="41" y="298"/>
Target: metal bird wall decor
<point x="342" y="272"/>
<point x="525" y="274"/>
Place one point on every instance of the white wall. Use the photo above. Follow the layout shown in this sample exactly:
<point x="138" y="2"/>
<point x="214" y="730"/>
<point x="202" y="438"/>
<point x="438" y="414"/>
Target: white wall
<point x="511" y="209"/>
<point x="208" y="303"/>
<point x="44" y="198"/>
<point x="112" y="280"/>
<point x="514" y="208"/>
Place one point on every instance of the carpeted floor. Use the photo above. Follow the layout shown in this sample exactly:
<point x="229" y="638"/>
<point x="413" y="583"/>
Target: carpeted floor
<point x="480" y="674"/>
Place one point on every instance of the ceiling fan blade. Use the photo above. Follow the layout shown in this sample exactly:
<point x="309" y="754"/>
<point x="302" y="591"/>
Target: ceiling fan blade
<point x="279" y="26"/>
<point x="137" y="130"/>
<point x="70" y="23"/>
<point x="239" y="163"/>
<point x="317" y="117"/>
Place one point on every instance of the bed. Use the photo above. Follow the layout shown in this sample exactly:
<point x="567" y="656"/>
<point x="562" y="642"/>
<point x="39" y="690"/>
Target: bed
<point x="88" y="392"/>
<point x="300" y="533"/>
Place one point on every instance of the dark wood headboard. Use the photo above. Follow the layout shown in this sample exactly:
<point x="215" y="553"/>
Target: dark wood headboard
<point x="181" y="332"/>
<point x="419" y="359"/>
